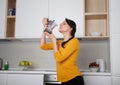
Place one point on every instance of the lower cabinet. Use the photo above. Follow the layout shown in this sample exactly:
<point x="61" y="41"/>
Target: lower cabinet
<point x="25" y="79"/>
<point x="97" y="80"/>
<point x="38" y="79"/>
<point x="3" y="79"/>
<point x="115" y="80"/>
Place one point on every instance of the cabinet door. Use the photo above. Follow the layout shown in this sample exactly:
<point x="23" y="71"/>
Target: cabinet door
<point x="115" y="54"/>
<point x="25" y="79"/>
<point x="2" y="18"/>
<point x="3" y="79"/>
<point x="97" y="80"/>
<point x="114" y="16"/>
<point x="116" y="81"/>
<point x="29" y="18"/>
<point x="72" y="9"/>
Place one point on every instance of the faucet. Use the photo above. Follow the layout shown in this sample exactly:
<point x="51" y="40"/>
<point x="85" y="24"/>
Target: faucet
<point x="1" y="63"/>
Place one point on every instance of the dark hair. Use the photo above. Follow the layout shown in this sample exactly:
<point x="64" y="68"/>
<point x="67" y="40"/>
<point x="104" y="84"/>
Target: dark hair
<point x="72" y="24"/>
<point x="63" y="43"/>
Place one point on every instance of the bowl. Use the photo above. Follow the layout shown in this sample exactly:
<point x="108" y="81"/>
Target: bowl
<point x="24" y="68"/>
<point x="95" y="33"/>
<point x="93" y="69"/>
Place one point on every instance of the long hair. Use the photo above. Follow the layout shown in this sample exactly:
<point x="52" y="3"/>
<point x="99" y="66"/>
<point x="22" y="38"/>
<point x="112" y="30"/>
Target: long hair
<point x="63" y="43"/>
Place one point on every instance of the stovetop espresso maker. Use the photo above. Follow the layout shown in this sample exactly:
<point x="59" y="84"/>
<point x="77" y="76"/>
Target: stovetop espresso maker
<point x="51" y="26"/>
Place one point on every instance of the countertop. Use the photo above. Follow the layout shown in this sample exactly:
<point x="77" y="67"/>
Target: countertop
<point x="50" y="71"/>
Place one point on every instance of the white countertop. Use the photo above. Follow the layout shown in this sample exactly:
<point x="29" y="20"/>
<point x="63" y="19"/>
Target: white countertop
<point x="47" y="71"/>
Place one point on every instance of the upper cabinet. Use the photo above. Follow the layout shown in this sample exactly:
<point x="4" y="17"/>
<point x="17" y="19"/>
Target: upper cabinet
<point x="96" y="18"/>
<point x="114" y="16"/>
<point x="29" y="18"/>
<point x="2" y="18"/>
<point x="10" y="18"/>
<point x="115" y="40"/>
<point x="71" y="9"/>
<point x="24" y="17"/>
<point x="115" y="37"/>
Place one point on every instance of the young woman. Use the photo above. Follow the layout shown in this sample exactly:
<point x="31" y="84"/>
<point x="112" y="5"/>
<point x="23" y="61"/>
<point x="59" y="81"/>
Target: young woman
<point x="65" y="52"/>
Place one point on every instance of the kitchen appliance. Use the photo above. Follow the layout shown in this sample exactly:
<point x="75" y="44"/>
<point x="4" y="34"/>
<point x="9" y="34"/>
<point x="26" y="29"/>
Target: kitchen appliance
<point x="51" y="79"/>
<point x="51" y="26"/>
<point x="101" y="63"/>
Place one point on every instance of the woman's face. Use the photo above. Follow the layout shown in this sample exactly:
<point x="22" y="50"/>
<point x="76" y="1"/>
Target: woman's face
<point x="64" y="28"/>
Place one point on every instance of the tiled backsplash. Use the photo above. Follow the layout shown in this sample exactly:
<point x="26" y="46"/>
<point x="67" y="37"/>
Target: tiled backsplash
<point x="92" y="50"/>
<point x="15" y="51"/>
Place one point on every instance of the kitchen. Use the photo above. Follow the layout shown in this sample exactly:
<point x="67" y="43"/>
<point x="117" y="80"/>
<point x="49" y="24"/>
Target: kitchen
<point x="25" y="46"/>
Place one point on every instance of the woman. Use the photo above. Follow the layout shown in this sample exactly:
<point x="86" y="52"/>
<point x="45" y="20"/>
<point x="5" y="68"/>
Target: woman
<point x="65" y="52"/>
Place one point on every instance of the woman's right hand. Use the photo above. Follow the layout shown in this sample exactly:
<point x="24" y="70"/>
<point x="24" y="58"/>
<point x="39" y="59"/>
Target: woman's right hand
<point x="45" y="22"/>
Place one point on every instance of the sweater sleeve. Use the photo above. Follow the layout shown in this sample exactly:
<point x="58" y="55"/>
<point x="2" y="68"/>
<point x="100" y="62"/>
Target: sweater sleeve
<point x="66" y="52"/>
<point x="49" y="45"/>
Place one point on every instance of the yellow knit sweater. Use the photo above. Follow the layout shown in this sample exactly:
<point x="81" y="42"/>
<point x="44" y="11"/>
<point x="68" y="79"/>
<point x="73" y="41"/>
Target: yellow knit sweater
<point x="66" y="59"/>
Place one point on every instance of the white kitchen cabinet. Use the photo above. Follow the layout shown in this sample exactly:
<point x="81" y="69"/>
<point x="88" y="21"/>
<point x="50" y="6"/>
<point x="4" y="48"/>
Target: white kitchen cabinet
<point x="114" y="16"/>
<point x="97" y="80"/>
<point x="3" y="79"/>
<point x="115" y="36"/>
<point x="25" y="79"/>
<point x="30" y="14"/>
<point x="115" y="80"/>
<point x="71" y="9"/>
<point x="2" y="18"/>
<point x="115" y="40"/>
<point x="115" y="54"/>
<point x="29" y="18"/>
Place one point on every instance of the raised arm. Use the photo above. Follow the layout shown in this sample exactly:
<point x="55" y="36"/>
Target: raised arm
<point x="43" y="36"/>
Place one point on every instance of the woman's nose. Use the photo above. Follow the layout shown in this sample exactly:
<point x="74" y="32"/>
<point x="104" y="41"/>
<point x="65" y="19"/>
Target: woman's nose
<point x="60" y="24"/>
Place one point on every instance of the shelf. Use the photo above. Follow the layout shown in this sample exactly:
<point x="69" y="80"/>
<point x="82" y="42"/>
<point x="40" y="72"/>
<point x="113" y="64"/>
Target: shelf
<point x="96" y="13"/>
<point x="11" y="16"/>
<point x="99" y="37"/>
<point x="96" y="18"/>
<point x="96" y="6"/>
<point x="10" y="27"/>
<point x="10" y="4"/>
<point x="94" y="38"/>
<point x="96" y="24"/>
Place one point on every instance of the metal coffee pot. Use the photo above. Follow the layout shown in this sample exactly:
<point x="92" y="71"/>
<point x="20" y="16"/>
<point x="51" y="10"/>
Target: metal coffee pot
<point x="51" y="26"/>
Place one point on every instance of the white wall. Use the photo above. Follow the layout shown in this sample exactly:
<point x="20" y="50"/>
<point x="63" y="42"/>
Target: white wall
<point x="15" y="51"/>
